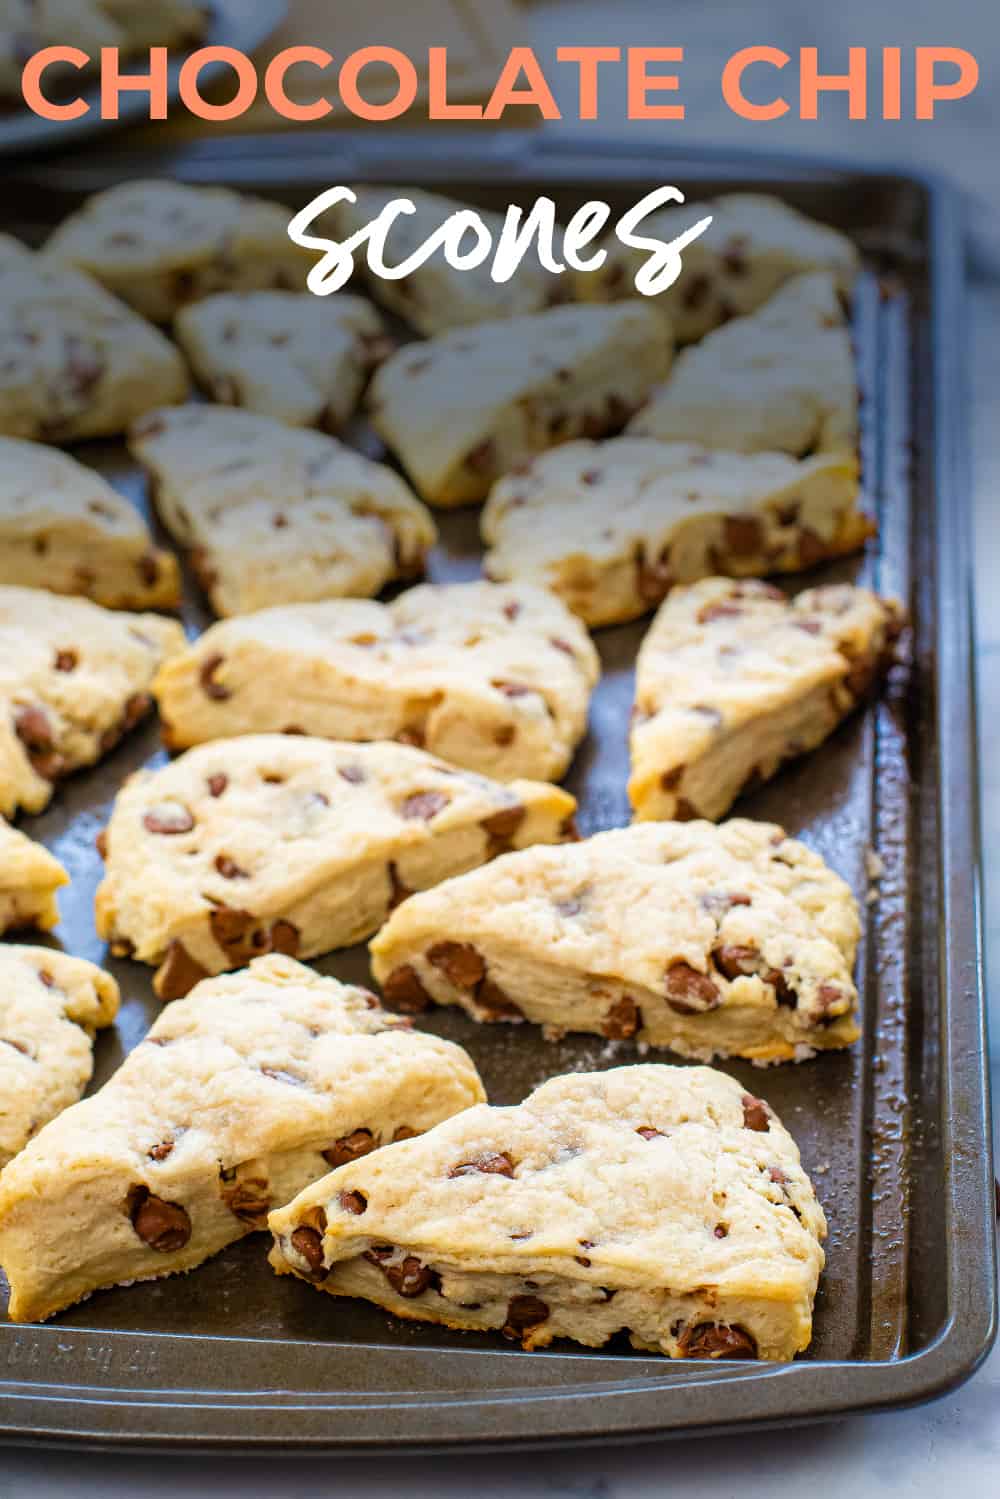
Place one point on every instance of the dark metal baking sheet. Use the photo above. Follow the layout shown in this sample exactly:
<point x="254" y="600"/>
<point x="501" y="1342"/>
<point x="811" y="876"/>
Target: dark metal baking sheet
<point x="895" y="1132"/>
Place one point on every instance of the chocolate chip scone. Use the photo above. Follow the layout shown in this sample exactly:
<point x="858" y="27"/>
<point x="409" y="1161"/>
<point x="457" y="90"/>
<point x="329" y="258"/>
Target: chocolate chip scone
<point x="29" y="879"/>
<point x="73" y="679"/>
<point x="665" y="1202"/>
<point x="436" y="297"/>
<point x="275" y="514"/>
<point x="612" y="527"/>
<point x="754" y="244"/>
<point x="469" y="406"/>
<point x="496" y="679"/>
<point x="711" y="941"/>
<point x="781" y="380"/>
<point x="239" y="1097"/>
<point x="733" y="679"/>
<point x="294" y="845"/>
<point x="75" y="362"/>
<point x="51" y="1006"/>
<point x="159" y="245"/>
<point x="64" y="528"/>
<point x="130" y="26"/>
<point x="299" y="359"/>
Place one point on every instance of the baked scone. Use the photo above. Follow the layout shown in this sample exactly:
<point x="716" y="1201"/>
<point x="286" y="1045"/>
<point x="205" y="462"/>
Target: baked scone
<point x="711" y="941"/>
<point x="277" y="515"/>
<point x="754" y="244"/>
<point x="73" y="679"/>
<point x="612" y="527"/>
<point x="436" y="298"/>
<point x="50" y="1007"/>
<point x="469" y="406"/>
<point x="64" y="528"/>
<point x="238" y="1098"/>
<point x="300" y="359"/>
<point x="131" y="26"/>
<point x="663" y="1201"/>
<point x="29" y="879"/>
<point x="494" y="678"/>
<point x="294" y="845"/>
<point x="75" y="362"/>
<point x="160" y="245"/>
<point x="781" y="380"/>
<point x="734" y="678"/>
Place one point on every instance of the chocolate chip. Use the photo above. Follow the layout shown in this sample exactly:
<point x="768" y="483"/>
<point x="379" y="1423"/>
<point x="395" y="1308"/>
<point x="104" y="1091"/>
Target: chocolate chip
<point x="734" y="255"/>
<point x="285" y="939"/>
<point x="404" y="1132"/>
<point x="685" y="811"/>
<point x="217" y="784"/>
<point x="735" y="961"/>
<point x="721" y="1231"/>
<point x="423" y="805"/>
<point x="689" y="991"/>
<point x="504" y="824"/>
<point x="716" y="1340"/>
<point x="164" y="1226"/>
<point x="410" y="1278"/>
<point x="671" y="779"/>
<point x="512" y="609"/>
<point x="178" y="973"/>
<point x="398" y="892"/>
<point x="308" y="1243"/>
<point x="168" y="818"/>
<point x="149" y="569"/>
<point x="16" y="1046"/>
<point x="653" y="579"/>
<point x="482" y="459"/>
<point x="744" y="535"/>
<point x="718" y="610"/>
<point x="756" y="1114"/>
<point x="33" y="729"/>
<point x="350" y="1147"/>
<point x="461" y="964"/>
<point x="206" y="676"/>
<point x="623" y="1020"/>
<point x="649" y="1133"/>
<point x="161" y="1151"/>
<point x="523" y="1314"/>
<point x="494" y="1003"/>
<point x="236" y="933"/>
<point x="66" y="661"/>
<point x="353" y="774"/>
<point x="248" y="1200"/>
<point x="353" y="1202"/>
<point x="811" y="548"/>
<point x="229" y="869"/>
<point x="488" y="1165"/>
<point x="101" y="843"/>
<point x="404" y="990"/>
<point x="808" y="626"/>
<point x="777" y="1175"/>
<point x="695" y="289"/>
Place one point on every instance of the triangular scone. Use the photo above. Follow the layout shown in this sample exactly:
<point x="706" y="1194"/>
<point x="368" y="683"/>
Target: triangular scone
<point x="29" y="879"/>
<point x="296" y="845"/>
<point x="64" y="528"/>
<point x="496" y="679"/>
<point x="666" y="1202"/>
<point x="781" y="380"/>
<point x="239" y="1097"/>
<point x="73" y="679"/>
<point x="74" y="361"/>
<point x="734" y="678"/>
<point x="50" y="1007"/>
<point x="275" y="514"/>
<point x="160" y="245"/>
<point x="297" y="358"/>
<point x="711" y="941"/>
<point x="611" y="527"/>
<point x="753" y="245"/>
<point x="436" y="297"/>
<point x="465" y="408"/>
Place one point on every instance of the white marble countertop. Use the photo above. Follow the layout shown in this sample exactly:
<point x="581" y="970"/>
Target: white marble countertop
<point x="953" y="1443"/>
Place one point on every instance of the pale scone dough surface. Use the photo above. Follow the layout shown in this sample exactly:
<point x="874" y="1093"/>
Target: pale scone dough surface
<point x="733" y="679"/>
<point x="300" y="359"/>
<point x="666" y="1201"/>
<point x="711" y="941"/>
<point x="63" y="527"/>
<point x="73" y="679"/>
<point x="467" y="407"/>
<point x="238" y="1098"/>
<point x="494" y="678"/>
<point x="29" y="879"/>
<point x="610" y="527"/>
<point x="275" y="514"/>
<point x="51" y="1005"/>
<point x="782" y="379"/>
<point x="297" y="845"/>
